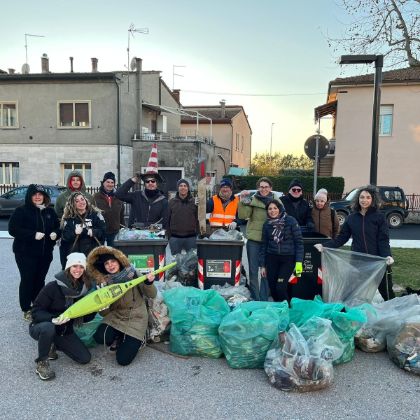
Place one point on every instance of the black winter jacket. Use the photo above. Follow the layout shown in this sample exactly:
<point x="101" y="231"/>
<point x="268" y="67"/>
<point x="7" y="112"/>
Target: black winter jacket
<point x="302" y="212"/>
<point x="183" y="217"/>
<point x="25" y="222"/>
<point x="85" y="243"/>
<point x="143" y="209"/>
<point x="369" y="234"/>
<point x="51" y="302"/>
<point x="292" y="243"/>
<point x="113" y="213"/>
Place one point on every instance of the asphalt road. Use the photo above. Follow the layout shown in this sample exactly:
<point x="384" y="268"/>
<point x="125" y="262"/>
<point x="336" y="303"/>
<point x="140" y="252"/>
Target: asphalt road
<point x="160" y="386"/>
<point x="407" y="231"/>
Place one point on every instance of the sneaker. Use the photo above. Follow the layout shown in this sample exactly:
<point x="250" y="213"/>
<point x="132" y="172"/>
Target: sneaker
<point x="27" y="316"/>
<point x="52" y="354"/>
<point x="44" y="370"/>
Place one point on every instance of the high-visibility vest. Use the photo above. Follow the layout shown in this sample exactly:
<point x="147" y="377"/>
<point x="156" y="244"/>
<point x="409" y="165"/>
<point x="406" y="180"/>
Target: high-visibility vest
<point x="223" y="216"/>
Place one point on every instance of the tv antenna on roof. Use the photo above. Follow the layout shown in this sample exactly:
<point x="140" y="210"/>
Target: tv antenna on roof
<point x="26" y="44"/>
<point x="131" y="31"/>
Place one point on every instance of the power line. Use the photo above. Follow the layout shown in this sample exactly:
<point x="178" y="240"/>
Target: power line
<point x="253" y="94"/>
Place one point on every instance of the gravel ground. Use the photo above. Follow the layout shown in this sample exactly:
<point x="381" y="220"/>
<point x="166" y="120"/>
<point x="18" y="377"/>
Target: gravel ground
<point x="161" y="386"/>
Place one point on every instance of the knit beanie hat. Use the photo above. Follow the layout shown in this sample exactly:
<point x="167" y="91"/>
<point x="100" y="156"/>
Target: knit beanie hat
<point x="183" y="181"/>
<point x="322" y="194"/>
<point x="109" y="175"/>
<point x="76" y="258"/>
<point x="295" y="183"/>
<point x="226" y="182"/>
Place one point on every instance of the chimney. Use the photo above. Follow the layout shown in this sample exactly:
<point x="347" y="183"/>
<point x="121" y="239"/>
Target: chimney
<point x="222" y="108"/>
<point x="94" y="65"/>
<point x="176" y="93"/>
<point x="71" y="64"/>
<point x="11" y="71"/>
<point x="45" y="65"/>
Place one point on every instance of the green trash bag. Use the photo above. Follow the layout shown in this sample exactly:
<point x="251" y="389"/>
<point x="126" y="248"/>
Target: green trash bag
<point x="195" y="318"/>
<point x="345" y="321"/>
<point x="86" y="330"/>
<point x="247" y="333"/>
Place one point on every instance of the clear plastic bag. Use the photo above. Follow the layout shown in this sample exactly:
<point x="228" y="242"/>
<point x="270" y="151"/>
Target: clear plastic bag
<point x="186" y="268"/>
<point x="126" y="234"/>
<point x="350" y="277"/>
<point x="234" y="295"/>
<point x="291" y="367"/>
<point x="383" y="319"/>
<point x="247" y="333"/>
<point x="404" y="345"/>
<point x="195" y="316"/>
<point x="226" y="235"/>
<point x="158" y="322"/>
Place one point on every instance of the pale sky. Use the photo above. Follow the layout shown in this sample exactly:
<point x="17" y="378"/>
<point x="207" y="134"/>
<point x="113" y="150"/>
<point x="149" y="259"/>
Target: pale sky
<point x="247" y="47"/>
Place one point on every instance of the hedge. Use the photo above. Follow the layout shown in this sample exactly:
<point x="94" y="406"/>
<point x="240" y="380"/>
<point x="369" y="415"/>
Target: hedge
<point x="333" y="185"/>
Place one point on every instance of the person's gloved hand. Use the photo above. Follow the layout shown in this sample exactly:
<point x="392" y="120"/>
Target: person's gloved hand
<point x="389" y="260"/>
<point x="53" y="236"/>
<point x="196" y="201"/>
<point x="90" y="232"/>
<point x="39" y="236"/>
<point x="319" y="247"/>
<point x="150" y="277"/>
<point x="78" y="229"/>
<point x="298" y="269"/>
<point x="60" y="321"/>
<point x="263" y="272"/>
<point x="232" y="225"/>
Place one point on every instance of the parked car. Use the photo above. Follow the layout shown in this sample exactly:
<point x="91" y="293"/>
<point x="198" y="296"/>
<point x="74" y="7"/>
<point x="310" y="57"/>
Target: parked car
<point x="16" y="197"/>
<point x="394" y="205"/>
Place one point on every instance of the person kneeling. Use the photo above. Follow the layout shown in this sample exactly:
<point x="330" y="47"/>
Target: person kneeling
<point x="125" y="321"/>
<point x="53" y="299"/>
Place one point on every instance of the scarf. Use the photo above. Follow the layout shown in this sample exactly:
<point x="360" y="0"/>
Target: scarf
<point x="151" y="194"/>
<point x="107" y="193"/>
<point x="70" y="291"/>
<point x="278" y="227"/>
<point x="126" y="274"/>
<point x="264" y="199"/>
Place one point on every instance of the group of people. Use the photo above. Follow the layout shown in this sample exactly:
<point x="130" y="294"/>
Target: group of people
<point x="83" y="223"/>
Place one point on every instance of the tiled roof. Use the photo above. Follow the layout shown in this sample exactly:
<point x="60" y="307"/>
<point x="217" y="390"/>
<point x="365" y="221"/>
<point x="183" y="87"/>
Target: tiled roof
<point x="409" y="74"/>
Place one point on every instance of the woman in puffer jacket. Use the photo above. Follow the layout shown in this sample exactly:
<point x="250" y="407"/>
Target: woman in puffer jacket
<point x="281" y="252"/>
<point x="125" y="321"/>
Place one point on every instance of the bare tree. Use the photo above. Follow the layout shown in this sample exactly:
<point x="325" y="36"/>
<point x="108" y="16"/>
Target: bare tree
<point x="388" y="27"/>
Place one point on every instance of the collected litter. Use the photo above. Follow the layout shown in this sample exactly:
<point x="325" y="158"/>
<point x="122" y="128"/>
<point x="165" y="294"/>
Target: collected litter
<point x="226" y="235"/>
<point x="234" y="295"/>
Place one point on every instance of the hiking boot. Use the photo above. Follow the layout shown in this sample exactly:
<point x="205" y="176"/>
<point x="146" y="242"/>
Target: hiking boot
<point x="52" y="354"/>
<point x="44" y="370"/>
<point x="27" y="316"/>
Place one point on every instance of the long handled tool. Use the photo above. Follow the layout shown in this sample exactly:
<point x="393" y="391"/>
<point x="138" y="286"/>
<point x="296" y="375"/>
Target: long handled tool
<point x="105" y="296"/>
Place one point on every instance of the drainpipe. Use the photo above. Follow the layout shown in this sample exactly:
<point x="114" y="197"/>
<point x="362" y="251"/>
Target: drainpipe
<point x="116" y="80"/>
<point x="139" y="100"/>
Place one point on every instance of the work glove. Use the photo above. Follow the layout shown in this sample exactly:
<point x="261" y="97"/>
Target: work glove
<point x="196" y="201"/>
<point x="232" y="225"/>
<point x="389" y="260"/>
<point x="53" y="236"/>
<point x="78" y="229"/>
<point x="60" y="321"/>
<point x="39" y="236"/>
<point x="90" y="232"/>
<point x="298" y="269"/>
<point x="319" y="247"/>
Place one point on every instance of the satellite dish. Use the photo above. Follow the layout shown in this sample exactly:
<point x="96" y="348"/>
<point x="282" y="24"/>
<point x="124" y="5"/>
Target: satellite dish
<point x="25" y="68"/>
<point x="133" y="64"/>
<point x="323" y="146"/>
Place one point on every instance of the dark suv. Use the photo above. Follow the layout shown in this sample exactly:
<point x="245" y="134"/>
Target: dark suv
<point x="393" y="204"/>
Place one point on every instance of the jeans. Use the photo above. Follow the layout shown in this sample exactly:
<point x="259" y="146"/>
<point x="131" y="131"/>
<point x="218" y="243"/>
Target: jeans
<point x="259" y="289"/>
<point x="279" y="269"/>
<point x="70" y="344"/>
<point x="178" y="244"/>
<point x="128" y="346"/>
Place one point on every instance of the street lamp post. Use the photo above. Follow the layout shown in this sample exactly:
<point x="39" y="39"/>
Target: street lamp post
<point x="271" y="141"/>
<point x="379" y="62"/>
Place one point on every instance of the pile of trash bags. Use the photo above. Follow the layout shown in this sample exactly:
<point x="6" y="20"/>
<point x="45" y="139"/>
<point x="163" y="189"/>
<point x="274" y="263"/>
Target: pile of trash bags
<point x="248" y="331"/>
<point x="185" y="270"/>
<point x="234" y="295"/>
<point x="195" y="316"/>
